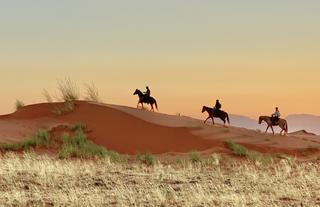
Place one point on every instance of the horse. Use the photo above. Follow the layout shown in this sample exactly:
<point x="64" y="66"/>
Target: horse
<point x="218" y="114"/>
<point x="282" y="123"/>
<point x="145" y="99"/>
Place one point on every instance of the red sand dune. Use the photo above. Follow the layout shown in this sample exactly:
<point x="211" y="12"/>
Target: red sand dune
<point x="128" y="130"/>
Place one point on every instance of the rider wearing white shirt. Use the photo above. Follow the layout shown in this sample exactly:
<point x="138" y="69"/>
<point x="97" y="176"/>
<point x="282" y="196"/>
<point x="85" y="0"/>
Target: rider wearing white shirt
<point x="275" y="116"/>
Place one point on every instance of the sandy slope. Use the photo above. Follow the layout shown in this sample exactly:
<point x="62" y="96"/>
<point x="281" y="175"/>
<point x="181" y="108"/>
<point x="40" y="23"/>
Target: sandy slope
<point x="128" y="130"/>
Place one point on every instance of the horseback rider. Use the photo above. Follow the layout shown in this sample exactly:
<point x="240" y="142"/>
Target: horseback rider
<point x="217" y="107"/>
<point x="275" y="117"/>
<point x="148" y="92"/>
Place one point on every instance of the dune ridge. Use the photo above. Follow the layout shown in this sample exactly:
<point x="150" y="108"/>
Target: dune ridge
<point x="130" y="131"/>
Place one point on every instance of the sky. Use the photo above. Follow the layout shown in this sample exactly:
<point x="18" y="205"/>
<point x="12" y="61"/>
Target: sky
<point x="253" y="55"/>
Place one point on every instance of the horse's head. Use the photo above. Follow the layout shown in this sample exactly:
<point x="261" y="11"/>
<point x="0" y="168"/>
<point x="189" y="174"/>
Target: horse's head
<point x="203" y="109"/>
<point x="136" y="92"/>
<point x="260" y="119"/>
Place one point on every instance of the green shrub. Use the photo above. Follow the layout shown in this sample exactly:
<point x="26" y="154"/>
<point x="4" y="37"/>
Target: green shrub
<point x="80" y="146"/>
<point x="237" y="148"/>
<point x="78" y="127"/>
<point x="147" y="159"/>
<point x="42" y="138"/>
<point x="195" y="157"/>
<point x="250" y="155"/>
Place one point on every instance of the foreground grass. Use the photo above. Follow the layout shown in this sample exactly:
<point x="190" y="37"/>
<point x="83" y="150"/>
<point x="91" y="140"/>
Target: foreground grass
<point x="34" y="180"/>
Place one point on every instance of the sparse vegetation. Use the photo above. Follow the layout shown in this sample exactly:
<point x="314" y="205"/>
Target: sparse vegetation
<point x="147" y="159"/>
<point x="237" y="148"/>
<point x="80" y="146"/>
<point x="68" y="90"/>
<point x="40" y="180"/>
<point x="240" y="150"/>
<point x="19" y="105"/>
<point x="195" y="157"/>
<point x="79" y="127"/>
<point x="213" y="159"/>
<point x="92" y="93"/>
<point x="47" y="96"/>
<point x="64" y="108"/>
<point x="42" y="138"/>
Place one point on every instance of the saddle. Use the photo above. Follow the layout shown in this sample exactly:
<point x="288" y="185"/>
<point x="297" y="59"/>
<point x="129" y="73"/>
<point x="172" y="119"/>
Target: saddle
<point x="275" y="121"/>
<point x="216" y="112"/>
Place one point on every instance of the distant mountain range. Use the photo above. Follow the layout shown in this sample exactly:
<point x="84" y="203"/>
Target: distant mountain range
<point x="296" y="122"/>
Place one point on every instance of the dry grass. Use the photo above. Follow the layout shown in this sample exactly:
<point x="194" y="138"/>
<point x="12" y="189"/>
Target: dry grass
<point x="64" y="108"/>
<point x="92" y="93"/>
<point x="69" y="90"/>
<point x="47" y="96"/>
<point x="19" y="104"/>
<point x="34" y="180"/>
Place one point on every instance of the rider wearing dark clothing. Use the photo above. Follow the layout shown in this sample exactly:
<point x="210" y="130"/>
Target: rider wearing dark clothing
<point x="147" y="93"/>
<point x="217" y="107"/>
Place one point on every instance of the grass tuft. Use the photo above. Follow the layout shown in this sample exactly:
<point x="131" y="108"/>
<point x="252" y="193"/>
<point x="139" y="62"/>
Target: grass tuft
<point x="19" y="104"/>
<point x="65" y="108"/>
<point x="237" y="148"/>
<point x="147" y="159"/>
<point x="47" y="96"/>
<point x="78" y="127"/>
<point x="92" y="93"/>
<point x="254" y="156"/>
<point x="80" y="146"/>
<point x="69" y="90"/>
<point x="195" y="157"/>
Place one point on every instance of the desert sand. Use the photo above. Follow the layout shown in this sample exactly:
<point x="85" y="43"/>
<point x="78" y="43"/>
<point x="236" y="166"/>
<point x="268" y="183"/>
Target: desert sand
<point x="129" y="130"/>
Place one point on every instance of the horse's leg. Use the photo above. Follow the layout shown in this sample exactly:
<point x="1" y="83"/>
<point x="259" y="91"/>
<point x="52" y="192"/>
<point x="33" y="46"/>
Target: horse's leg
<point x="206" y="119"/>
<point x="224" y="120"/>
<point x="267" y="129"/>
<point x="212" y="120"/>
<point x="281" y="131"/>
<point x="152" y="109"/>
<point x="272" y="129"/>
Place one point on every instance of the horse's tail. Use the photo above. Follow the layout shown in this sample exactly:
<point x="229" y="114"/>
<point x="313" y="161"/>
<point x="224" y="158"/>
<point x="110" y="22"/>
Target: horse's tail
<point x="155" y="103"/>
<point x="228" y="118"/>
<point x="286" y="127"/>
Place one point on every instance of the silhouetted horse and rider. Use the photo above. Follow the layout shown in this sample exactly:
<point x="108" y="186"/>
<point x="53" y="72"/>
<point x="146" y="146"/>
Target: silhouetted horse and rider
<point x="274" y="120"/>
<point x="216" y="112"/>
<point x="146" y="98"/>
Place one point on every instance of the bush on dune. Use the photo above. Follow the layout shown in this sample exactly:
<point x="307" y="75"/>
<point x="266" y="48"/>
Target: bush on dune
<point x="237" y="148"/>
<point x="68" y="90"/>
<point x="240" y="150"/>
<point x="80" y="146"/>
<point x="64" y="108"/>
<point x="42" y="138"/>
<point x="92" y="93"/>
<point x="19" y="104"/>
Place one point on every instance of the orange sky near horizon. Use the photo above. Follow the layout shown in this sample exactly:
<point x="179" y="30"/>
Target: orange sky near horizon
<point x="251" y="55"/>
